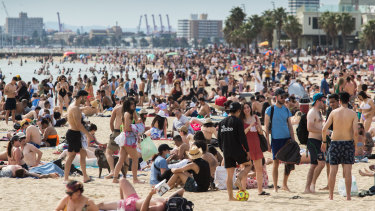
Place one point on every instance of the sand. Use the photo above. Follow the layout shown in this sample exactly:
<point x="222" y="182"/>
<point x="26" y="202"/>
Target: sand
<point x="44" y="194"/>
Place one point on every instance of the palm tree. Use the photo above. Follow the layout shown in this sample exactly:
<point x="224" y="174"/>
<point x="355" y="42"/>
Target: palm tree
<point x="346" y="24"/>
<point x="328" y="21"/>
<point x="233" y="22"/>
<point x="279" y="15"/>
<point x="368" y="33"/>
<point x="257" y="23"/>
<point x="247" y="34"/>
<point x="293" y="29"/>
<point x="268" y="26"/>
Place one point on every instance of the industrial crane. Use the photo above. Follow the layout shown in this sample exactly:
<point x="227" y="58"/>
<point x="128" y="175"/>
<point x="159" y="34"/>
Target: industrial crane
<point x="147" y="26"/>
<point x="5" y="8"/>
<point x="161" y="24"/>
<point x="153" y="20"/>
<point x="169" y="25"/>
<point x="60" y="25"/>
<point x="139" y="25"/>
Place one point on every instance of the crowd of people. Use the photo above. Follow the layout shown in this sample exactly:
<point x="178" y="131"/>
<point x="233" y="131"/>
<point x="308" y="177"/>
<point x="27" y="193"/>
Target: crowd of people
<point x="228" y="109"/>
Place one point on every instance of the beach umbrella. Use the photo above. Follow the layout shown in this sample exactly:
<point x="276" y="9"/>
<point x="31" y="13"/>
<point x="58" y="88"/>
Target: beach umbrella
<point x="265" y="43"/>
<point x="151" y="56"/>
<point x="267" y="53"/>
<point x="171" y="54"/>
<point x="297" y="90"/>
<point x="68" y="53"/>
<point x="238" y="67"/>
<point x="81" y="56"/>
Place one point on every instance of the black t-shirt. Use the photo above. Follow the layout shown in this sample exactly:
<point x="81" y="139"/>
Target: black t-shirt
<point x="231" y="136"/>
<point x="203" y="177"/>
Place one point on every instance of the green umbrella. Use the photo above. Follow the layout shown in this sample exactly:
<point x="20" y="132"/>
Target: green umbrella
<point x="151" y="56"/>
<point x="171" y="54"/>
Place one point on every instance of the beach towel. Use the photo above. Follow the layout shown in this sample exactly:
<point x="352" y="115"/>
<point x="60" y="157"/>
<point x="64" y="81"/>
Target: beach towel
<point x="47" y="169"/>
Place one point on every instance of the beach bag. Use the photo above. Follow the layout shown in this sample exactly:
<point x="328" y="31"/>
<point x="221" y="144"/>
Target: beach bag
<point x="302" y="132"/>
<point x="121" y="139"/>
<point x="220" y="179"/>
<point x="342" y="189"/>
<point x="148" y="148"/>
<point x="179" y="204"/>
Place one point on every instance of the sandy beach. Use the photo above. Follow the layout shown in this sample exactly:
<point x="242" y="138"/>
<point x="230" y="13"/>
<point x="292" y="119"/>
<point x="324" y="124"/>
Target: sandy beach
<point x="44" y="194"/>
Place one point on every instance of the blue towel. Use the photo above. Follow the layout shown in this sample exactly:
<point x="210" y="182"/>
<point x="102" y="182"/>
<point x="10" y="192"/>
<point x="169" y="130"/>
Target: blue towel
<point x="47" y="169"/>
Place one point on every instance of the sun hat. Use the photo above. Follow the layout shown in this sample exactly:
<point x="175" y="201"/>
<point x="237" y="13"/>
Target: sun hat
<point x="317" y="97"/>
<point x="94" y="103"/>
<point x="194" y="153"/>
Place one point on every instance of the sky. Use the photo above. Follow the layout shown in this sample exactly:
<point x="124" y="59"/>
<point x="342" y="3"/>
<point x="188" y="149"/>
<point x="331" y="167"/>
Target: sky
<point x="127" y="12"/>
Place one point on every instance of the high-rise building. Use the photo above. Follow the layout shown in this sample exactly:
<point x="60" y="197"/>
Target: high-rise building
<point x="199" y="27"/>
<point x="23" y="26"/>
<point x="295" y="4"/>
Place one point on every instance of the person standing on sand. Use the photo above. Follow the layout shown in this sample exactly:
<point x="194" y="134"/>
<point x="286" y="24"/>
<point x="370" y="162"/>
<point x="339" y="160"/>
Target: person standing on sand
<point x="130" y="146"/>
<point x="114" y="124"/>
<point x="342" y="149"/>
<point x="281" y="131"/>
<point x="10" y="91"/>
<point x="314" y="142"/>
<point x="142" y="91"/>
<point x="233" y="143"/>
<point x="73" y="136"/>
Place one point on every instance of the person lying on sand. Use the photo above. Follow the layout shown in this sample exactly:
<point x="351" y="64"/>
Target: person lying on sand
<point x="19" y="172"/>
<point x="130" y="201"/>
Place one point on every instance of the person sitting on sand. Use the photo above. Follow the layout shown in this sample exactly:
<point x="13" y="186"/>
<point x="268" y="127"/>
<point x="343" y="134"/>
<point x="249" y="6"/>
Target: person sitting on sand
<point x="368" y="173"/>
<point x="158" y="126"/>
<point x="17" y="171"/>
<point x="186" y="137"/>
<point x="92" y="109"/>
<point x="50" y="137"/>
<point x="74" y="199"/>
<point x="160" y="164"/>
<point x="31" y="155"/>
<point x="179" y="152"/>
<point x="207" y="156"/>
<point x="208" y="128"/>
<point x="14" y="153"/>
<point x="32" y="133"/>
<point x="130" y="201"/>
<point x="200" y="170"/>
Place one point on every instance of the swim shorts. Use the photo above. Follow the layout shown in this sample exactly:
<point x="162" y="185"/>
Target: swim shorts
<point x="190" y="185"/>
<point x="10" y="104"/>
<point x="73" y="138"/>
<point x="276" y="145"/>
<point x="128" y="204"/>
<point x="314" y="147"/>
<point x="231" y="161"/>
<point x="112" y="144"/>
<point x="140" y="93"/>
<point x="341" y="152"/>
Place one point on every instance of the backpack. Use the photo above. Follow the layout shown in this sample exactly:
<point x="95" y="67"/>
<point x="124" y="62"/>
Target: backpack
<point x="179" y="204"/>
<point x="302" y="132"/>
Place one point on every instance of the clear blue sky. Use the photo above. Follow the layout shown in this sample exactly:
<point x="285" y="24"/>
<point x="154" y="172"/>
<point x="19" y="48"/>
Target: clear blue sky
<point x="127" y="12"/>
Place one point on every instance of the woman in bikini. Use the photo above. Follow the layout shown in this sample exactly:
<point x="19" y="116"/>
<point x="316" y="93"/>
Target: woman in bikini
<point x="62" y="90"/>
<point x="367" y="109"/>
<point x="89" y="89"/>
<point x="130" y="201"/>
<point x="75" y="200"/>
<point x="15" y="155"/>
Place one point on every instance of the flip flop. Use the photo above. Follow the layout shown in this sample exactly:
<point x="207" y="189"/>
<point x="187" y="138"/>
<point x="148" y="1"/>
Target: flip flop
<point x="90" y="180"/>
<point x="264" y="193"/>
<point x="296" y="197"/>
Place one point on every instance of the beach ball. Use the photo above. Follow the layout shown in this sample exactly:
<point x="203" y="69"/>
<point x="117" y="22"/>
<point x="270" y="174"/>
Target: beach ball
<point x="242" y="195"/>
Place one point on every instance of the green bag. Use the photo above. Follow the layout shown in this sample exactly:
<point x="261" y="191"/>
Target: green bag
<point x="148" y="148"/>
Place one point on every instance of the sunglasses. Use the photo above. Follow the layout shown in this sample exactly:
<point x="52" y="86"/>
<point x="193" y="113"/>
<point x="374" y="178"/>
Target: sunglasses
<point x="69" y="193"/>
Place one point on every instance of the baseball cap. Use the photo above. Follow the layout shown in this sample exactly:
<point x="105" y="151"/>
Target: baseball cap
<point x="234" y="106"/>
<point x="163" y="147"/>
<point x="81" y="93"/>
<point x="21" y="135"/>
<point x="317" y="97"/>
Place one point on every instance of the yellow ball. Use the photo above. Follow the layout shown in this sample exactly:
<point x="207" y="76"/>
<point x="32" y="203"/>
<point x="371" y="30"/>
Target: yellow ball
<point x="242" y="195"/>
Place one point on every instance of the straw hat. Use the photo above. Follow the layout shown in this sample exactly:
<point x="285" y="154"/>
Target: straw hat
<point x="194" y="153"/>
<point x="94" y="103"/>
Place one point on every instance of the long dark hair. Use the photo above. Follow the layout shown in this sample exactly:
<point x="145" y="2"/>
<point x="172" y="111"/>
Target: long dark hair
<point x="160" y="121"/>
<point x="126" y="107"/>
<point x="242" y="114"/>
<point x="10" y="146"/>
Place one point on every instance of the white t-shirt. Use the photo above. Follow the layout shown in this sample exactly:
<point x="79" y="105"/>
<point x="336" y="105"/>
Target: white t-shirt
<point x="155" y="76"/>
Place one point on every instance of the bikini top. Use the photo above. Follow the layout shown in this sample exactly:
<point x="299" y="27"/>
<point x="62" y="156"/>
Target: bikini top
<point x="365" y="106"/>
<point x="84" y="208"/>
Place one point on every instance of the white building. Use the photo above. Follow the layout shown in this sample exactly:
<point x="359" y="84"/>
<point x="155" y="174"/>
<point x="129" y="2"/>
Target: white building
<point x="23" y="26"/>
<point x="200" y="27"/>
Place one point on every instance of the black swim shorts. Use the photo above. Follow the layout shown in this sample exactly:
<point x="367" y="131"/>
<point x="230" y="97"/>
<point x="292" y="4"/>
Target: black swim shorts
<point x="314" y="148"/>
<point x="190" y="185"/>
<point x="10" y="104"/>
<point x="231" y="161"/>
<point x="73" y="138"/>
<point x="341" y="152"/>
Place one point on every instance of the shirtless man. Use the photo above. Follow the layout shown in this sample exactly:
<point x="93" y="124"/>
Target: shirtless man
<point x="10" y="91"/>
<point x="204" y="109"/>
<point x="114" y="124"/>
<point x="342" y="149"/>
<point x="162" y="84"/>
<point x="31" y="154"/>
<point x="74" y="135"/>
<point x="142" y="91"/>
<point x="314" y="127"/>
<point x="106" y="100"/>
<point x="258" y="105"/>
<point x="350" y="89"/>
<point x="32" y="133"/>
<point x="50" y="134"/>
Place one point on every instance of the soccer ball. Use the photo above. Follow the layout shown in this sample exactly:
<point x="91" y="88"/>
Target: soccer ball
<point x="242" y="195"/>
